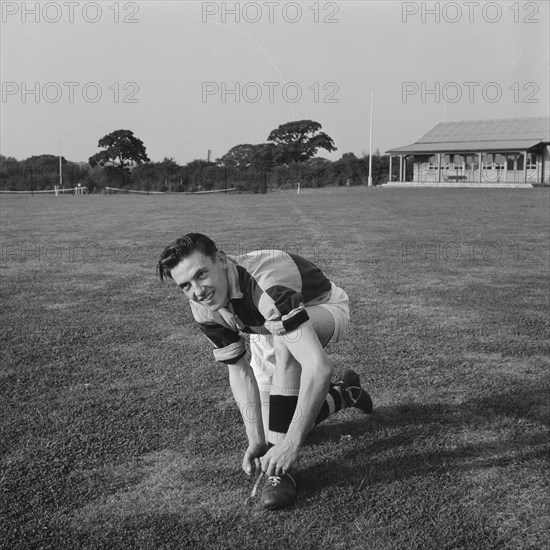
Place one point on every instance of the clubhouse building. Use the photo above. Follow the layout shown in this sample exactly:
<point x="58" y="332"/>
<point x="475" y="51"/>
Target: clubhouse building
<point x="513" y="152"/>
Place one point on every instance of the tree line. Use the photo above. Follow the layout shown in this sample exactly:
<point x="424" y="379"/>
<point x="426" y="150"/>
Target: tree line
<point x="287" y="159"/>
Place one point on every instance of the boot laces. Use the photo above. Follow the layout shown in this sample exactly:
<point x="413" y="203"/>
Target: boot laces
<point x="349" y="390"/>
<point x="274" y="480"/>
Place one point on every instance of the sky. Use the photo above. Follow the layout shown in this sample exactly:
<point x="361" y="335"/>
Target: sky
<point x="190" y="77"/>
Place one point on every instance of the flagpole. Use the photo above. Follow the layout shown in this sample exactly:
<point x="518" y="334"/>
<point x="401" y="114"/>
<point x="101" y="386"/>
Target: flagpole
<point x="370" y="141"/>
<point x="60" y="169"/>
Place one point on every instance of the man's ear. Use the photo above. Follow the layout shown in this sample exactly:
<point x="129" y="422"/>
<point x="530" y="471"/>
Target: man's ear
<point x="222" y="258"/>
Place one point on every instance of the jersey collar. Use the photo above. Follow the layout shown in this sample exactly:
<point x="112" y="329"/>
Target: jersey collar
<point x="235" y="292"/>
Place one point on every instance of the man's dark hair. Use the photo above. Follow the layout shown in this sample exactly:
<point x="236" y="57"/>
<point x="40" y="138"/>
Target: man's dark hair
<point x="174" y="253"/>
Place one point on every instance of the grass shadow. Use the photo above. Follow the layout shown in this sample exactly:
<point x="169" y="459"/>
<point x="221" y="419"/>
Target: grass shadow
<point x="400" y="442"/>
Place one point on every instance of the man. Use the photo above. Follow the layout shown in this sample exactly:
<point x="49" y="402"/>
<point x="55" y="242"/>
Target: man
<point x="291" y="311"/>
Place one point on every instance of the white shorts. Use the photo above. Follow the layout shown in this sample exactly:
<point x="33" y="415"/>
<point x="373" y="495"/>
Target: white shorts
<point x="261" y="345"/>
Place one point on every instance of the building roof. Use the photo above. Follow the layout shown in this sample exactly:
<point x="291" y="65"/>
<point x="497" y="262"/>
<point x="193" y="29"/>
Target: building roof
<point x="510" y="134"/>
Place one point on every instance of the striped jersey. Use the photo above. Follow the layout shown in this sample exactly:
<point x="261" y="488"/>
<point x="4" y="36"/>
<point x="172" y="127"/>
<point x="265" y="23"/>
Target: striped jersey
<point x="268" y="291"/>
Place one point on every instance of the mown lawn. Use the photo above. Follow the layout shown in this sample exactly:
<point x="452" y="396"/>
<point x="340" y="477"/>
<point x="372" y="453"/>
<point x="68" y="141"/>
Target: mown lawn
<point x="118" y="429"/>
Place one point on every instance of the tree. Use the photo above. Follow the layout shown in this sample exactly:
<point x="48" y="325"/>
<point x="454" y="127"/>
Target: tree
<point x="42" y="171"/>
<point x="238" y="156"/>
<point x="9" y="172"/>
<point x="263" y="155"/>
<point x="349" y="168"/>
<point x="122" y="151"/>
<point x="200" y="174"/>
<point x="299" y="141"/>
<point x="39" y="172"/>
<point x="170" y="172"/>
<point x="158" y="176"/>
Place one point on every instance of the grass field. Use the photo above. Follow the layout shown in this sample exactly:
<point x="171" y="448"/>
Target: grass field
<point x="118" y="429"/>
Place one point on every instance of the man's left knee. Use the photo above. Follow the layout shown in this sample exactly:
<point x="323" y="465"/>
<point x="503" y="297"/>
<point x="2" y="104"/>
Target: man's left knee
<point x="285" y="360"/>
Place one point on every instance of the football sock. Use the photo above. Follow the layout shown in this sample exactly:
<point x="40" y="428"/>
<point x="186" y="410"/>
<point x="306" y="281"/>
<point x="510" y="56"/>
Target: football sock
<point x="282" y="405"/>
<point x="334" y="402"/>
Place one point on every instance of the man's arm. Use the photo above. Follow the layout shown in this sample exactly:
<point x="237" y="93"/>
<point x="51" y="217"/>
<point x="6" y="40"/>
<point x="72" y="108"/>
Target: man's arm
<point x="247" y="396"/>
<point x="314" y="382"/>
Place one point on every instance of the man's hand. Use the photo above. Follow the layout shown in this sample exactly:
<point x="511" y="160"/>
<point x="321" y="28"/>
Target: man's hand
<point x="280" y="458"/>
<point x="251" y="459"/>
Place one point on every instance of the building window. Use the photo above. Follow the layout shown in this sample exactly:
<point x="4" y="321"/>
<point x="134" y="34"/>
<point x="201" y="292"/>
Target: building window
<point x="487" y="161"/>
<point x="519" y="162"/>
<point x="511" y="161"/>
<point x="472" y="162"/>
<point x="515" y="161"/>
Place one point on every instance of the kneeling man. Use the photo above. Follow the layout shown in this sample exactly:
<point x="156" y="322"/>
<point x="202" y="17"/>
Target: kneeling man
<point x="291" y="311"/>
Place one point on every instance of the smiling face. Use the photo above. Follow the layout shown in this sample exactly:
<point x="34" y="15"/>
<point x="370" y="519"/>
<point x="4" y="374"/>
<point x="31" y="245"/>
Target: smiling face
<point x="203" y="280"/>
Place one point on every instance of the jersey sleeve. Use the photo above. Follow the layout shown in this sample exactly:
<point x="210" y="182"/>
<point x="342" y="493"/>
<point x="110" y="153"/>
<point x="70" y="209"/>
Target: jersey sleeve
<point x="283" y="309"/>
<point x="228" y="345"/>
